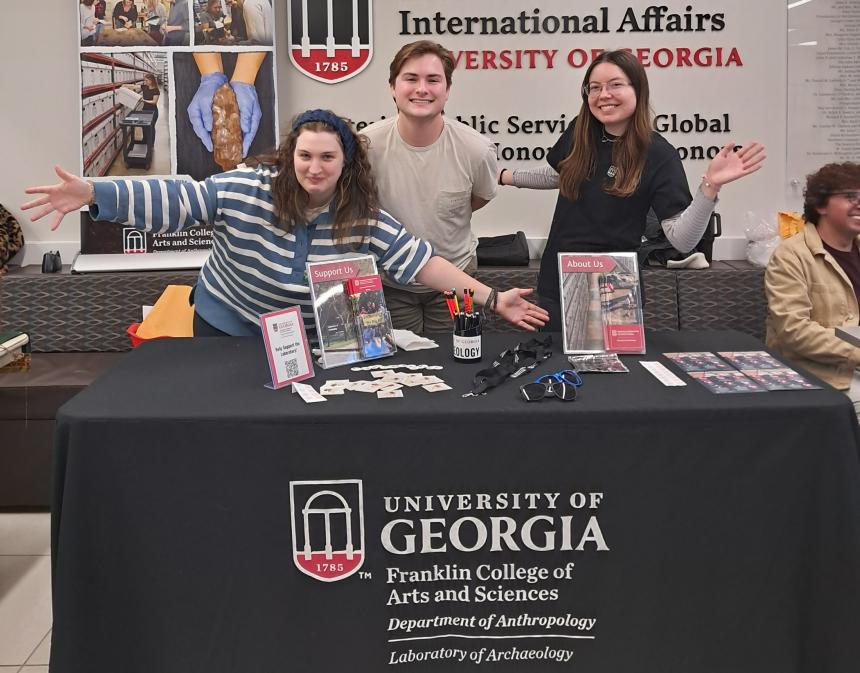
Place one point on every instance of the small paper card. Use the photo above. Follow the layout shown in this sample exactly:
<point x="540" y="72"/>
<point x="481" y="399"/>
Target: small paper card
<point x="286" y="346"/>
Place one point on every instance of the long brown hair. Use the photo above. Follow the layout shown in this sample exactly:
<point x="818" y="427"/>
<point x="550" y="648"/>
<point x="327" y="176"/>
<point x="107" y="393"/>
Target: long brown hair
<point x="628" y="152"/>
<point x="355" y="195"/>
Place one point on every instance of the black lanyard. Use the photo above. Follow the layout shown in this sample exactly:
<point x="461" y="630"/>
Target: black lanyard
<point x="511" y="363"/>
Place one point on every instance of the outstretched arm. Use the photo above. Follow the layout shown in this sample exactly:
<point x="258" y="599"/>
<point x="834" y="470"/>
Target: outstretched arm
<point x="511" y="305"/>
<point x="149" y="205"/>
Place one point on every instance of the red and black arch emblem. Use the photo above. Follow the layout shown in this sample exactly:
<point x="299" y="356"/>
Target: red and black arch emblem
<point x="330" y="40"/>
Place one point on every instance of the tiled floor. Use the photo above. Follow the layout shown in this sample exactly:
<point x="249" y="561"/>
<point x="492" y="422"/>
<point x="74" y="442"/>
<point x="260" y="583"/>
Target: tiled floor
<point x="25" y="592"/>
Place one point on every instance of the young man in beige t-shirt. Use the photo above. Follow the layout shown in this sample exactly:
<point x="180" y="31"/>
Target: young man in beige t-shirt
<point x="432" y="174"/>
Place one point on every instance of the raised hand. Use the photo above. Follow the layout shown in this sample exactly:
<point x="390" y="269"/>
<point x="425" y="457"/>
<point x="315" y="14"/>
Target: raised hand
<point x="64" y="197"/>
<point x="513" y="307"/>
<point x="729" y="165"/>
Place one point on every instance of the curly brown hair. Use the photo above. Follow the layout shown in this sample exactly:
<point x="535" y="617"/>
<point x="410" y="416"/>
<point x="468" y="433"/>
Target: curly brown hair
<point x="631" y="149"/>
<point x="828" y="180"/>
<point x="421" y="48"/>
<point x="355" y="195"/>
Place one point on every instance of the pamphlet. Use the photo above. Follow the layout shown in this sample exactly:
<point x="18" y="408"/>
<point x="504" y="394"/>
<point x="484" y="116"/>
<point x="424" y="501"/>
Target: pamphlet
<point x="761" y="366"/>
<point x="780" y="379"/>
<point x="373" y="326"/>
<point x="740" y="371"/>
<point x="699" y="362"/>
<point x="744" y="360"/>
<point x="601" y="305"/>
<point x="352" y="321"/>
<point x="722" y="382"/>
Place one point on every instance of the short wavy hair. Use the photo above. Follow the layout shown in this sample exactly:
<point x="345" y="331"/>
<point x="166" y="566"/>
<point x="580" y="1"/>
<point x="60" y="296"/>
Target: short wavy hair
<point x="418" y="49"/>
<point x="826" y="181"/>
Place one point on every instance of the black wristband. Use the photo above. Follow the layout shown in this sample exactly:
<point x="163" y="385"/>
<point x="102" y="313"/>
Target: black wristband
<point x="492" y="298"/>
<point x="501" y="174"/>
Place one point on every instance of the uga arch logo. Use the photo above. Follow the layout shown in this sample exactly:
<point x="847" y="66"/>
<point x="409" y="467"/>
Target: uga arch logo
<point x="330" y="41"/>
<point x="328" y="528"/>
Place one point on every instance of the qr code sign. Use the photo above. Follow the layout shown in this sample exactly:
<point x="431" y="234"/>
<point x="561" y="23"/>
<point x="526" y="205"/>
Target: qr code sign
<point x="292" y="369"/>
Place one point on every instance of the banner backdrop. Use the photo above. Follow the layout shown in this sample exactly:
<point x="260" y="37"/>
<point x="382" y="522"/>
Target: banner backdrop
<point x="149" y="72"/>
<point x="716" y="72"/>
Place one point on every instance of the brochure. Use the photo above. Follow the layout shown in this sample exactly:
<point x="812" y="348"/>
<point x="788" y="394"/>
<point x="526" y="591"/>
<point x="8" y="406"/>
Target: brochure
<point x="727" y="382"/>
<point x="744" y="360"/>
<point x="601" y="305"/>
<point x="373" y="325"/>
<point x="780" y="379"/>
<point x="352" y="321"/>
<point x="699" y="362"/>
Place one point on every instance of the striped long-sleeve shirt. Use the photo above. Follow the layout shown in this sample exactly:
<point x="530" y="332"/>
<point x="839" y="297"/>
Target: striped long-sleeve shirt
<point x="255" y="267"/>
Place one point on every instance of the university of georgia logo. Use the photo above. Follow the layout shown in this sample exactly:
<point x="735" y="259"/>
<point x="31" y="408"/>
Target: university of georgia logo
<point x="133" y="240"/>
<point x="328" y="528"/>
<point x="330" y="41"/>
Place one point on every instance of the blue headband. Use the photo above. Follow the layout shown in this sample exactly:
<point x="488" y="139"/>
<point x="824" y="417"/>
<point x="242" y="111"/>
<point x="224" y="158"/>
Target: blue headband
<point x="347" y="138"/>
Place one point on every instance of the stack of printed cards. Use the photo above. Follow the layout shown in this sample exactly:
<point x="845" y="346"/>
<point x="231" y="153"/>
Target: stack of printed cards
<point x="739" y="372"/>
<point x="386" y="383"/>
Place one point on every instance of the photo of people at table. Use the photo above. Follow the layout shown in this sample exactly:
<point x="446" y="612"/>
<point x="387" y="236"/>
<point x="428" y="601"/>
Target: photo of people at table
<point x="619" y="297"/>
<point x="233" y="22"/>
<point x="133" y="23"/>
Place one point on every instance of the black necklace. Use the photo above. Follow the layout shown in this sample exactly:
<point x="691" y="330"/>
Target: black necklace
<point x="606" y="139"/>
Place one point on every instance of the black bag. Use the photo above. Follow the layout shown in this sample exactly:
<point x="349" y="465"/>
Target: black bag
<point x="507" y="250"/>
<point x="51" y="262"/>
<point x="656" y="248"/>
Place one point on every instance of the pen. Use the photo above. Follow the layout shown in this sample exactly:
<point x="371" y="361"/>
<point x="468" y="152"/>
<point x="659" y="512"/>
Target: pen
<point x="450" y="303"/>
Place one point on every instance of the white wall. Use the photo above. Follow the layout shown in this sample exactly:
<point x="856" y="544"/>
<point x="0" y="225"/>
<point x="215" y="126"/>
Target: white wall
<point x="39" y="120"/>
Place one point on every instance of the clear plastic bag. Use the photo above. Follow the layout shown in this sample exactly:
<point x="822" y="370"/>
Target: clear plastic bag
<point x="762" y="238"/>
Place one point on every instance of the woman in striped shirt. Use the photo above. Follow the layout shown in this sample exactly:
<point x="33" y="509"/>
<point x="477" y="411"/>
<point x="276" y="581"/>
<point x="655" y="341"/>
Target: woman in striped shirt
<point x="312" y="200"/>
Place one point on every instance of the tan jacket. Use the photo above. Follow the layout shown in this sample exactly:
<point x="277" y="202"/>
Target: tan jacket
<point x="808" y="295"/>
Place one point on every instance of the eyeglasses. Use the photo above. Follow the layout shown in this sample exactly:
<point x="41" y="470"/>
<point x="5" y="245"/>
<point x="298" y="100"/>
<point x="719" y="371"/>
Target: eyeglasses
<point x="852" y="196"/>
<point x="562" y="385"/>
<point x="592" y="90"/>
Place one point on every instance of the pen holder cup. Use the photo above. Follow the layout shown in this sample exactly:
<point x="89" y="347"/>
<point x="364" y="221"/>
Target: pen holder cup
<point x="467" y="344"/>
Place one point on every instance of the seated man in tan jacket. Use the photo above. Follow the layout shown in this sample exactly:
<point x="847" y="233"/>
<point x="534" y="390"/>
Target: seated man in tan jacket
<point x="813" y="280"/>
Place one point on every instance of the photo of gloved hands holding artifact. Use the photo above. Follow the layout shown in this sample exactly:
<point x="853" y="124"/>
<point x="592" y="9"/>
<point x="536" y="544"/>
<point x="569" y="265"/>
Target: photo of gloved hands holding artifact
<point x="229" y="102"/>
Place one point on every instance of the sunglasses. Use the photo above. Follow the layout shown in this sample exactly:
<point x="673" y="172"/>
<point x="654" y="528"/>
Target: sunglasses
<point x="561" y="384"/>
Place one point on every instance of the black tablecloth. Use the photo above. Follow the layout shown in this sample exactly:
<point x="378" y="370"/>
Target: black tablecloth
<point x="700" y="532"/>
